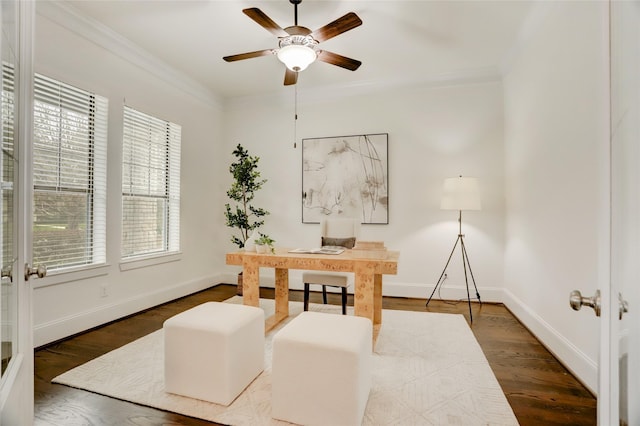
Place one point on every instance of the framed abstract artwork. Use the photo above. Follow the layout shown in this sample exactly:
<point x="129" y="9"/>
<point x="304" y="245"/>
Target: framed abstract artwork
<point x="346" y="176"/>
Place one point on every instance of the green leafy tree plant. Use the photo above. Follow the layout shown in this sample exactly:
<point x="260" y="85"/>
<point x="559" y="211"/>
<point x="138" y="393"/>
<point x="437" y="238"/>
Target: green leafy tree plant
<point x="246" y="181"/>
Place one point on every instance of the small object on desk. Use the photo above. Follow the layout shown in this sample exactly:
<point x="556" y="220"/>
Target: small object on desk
<point x="321" y="250"/>
<point x="370" y="249"/>
<point x="370" y="245"/>
<point x="332" y="248"/>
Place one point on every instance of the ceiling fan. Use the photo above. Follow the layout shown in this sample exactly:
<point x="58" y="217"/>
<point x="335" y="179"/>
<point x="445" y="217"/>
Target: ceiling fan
<point x="298" y="45"/>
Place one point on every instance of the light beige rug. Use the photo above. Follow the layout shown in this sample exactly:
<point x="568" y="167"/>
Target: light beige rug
<point x="428" y="370"/>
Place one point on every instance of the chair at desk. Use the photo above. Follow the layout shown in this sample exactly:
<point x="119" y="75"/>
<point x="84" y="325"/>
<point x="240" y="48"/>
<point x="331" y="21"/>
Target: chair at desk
<point x="334" y="232"/>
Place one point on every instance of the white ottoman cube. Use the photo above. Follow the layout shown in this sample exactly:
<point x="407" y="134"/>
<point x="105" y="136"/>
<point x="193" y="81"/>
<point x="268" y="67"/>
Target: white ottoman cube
<point x="213" y="351"/>
<point x="321" y="372"/>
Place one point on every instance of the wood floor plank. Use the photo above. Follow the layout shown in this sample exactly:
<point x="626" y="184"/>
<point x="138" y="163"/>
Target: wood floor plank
<point x="540" y="390"/>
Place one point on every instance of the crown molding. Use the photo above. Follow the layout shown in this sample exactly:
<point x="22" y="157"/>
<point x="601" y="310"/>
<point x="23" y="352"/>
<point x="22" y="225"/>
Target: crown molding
<point x="98" y="33"/>
<point x="361" y="88"/>
<point x="105" y="37"/>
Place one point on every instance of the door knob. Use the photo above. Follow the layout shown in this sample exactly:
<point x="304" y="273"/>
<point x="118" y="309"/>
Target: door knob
<point x="576" y="301"/>
<point x="40" y="271"/>
<point x="624" y="305"/>
<point x="7" y="272"/>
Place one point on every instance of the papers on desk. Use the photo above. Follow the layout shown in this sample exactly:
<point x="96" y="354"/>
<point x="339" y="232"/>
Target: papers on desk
<point x="321" y="250"/>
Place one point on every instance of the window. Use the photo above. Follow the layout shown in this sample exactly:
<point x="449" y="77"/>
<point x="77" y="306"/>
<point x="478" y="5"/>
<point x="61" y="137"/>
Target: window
<point x="7" y="167"/>
<point x="69" y="175"/>
<point x="150" y="185"/>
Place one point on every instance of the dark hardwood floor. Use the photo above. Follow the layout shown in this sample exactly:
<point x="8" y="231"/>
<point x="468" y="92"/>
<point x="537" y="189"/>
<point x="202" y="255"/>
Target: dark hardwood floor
<point x="540" y="390"/>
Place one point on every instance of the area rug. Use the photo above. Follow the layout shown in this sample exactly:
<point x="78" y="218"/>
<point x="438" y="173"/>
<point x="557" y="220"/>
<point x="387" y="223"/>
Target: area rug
<point x="428" y="370"/>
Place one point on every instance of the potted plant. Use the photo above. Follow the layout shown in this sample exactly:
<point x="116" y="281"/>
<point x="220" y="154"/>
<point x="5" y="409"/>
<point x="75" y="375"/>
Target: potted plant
<point x="241" y="214"/>
<point x="264" y="244"/>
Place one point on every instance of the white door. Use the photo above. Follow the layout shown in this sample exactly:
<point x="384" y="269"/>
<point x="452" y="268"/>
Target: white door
<point x="624" y="339"/>
<point x="16" y="350"/>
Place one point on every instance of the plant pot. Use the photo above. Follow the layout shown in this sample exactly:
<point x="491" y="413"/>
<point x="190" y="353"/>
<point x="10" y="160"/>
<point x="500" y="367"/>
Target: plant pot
<point x="262" y="248"/>
<point x="250" y="244"/>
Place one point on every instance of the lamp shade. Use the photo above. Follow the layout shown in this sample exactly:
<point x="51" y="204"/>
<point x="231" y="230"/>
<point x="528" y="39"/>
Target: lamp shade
<point x="460" y="193"/>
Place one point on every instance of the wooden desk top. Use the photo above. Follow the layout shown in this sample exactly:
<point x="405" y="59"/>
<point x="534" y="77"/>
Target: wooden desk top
<point x="344" y="262"/>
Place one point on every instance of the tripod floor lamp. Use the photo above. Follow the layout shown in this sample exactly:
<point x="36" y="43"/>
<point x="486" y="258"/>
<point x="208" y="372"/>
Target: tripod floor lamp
<point x="460" y="193"/>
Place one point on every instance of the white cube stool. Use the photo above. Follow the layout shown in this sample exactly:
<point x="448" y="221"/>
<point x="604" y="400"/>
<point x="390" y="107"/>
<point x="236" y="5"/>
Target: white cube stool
<point x="213" y="351"/>
<point x="321" y="373"/>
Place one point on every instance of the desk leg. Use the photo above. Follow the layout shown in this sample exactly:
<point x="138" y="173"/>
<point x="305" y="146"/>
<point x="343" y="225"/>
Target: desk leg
<point x="250" y="282"/>
<point x="282" y="299"/>
<point x="377" y="299"/>
<point x="366" y="305"/>
<point x="364" y="290"/>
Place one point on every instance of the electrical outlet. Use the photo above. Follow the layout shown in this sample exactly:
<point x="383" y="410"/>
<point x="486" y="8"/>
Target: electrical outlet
<point x="103" y="291"/>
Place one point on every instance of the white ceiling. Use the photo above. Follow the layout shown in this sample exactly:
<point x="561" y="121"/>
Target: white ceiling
<point x="399" y="41"/>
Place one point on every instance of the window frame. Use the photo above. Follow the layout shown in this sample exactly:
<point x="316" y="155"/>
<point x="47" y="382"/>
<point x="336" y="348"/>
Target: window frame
<point x="134" y="123"/>
<point x="93" y="261"/>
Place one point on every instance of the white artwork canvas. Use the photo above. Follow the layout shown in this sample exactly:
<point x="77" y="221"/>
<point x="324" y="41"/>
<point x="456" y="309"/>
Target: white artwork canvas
<point x="346" y="176"/>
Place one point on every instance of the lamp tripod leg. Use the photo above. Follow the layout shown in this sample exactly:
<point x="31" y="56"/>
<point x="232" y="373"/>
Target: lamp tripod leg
<point x="466" y="256"/>
<point x="466" y="264"/>
<point x="443" y="271"/>
<point x="465" y="260"/>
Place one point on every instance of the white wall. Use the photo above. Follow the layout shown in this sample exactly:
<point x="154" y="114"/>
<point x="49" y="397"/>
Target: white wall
<point x="63" y="307"/>
<point x="556" y="144"/>
<point x="546" y="125"/>
<point x="434" y="133"/>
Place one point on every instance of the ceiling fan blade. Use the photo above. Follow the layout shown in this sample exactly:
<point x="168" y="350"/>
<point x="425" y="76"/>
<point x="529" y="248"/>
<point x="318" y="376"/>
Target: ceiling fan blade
<point x="265" y="22"/>
<point x="337" y="27"/>
<point x="248" y="55"/>
<point x="339" y="60"/>
<point x="290" y="77"/>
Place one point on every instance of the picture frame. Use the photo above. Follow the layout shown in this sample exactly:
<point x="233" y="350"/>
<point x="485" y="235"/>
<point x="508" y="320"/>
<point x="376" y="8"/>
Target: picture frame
<point x="346" y="176"/>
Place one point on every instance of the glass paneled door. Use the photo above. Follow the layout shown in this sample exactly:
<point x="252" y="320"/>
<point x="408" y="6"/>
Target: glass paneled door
<point x="625" y="213"/>
<point x="16" y="340"/>
<point x="8" y="293"/>
<point x="8" y="178"/>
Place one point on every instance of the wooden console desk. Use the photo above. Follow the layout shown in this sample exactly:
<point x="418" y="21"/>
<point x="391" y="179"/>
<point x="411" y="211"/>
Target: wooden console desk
<point x="367" y="268"/>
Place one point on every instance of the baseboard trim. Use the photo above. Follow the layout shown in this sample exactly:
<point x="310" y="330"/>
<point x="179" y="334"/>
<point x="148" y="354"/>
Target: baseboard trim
<point x="67" y="326"/>
<point x="450" y="292"/>
<point x="581" y="366"/>
<point x="392" y="289"/>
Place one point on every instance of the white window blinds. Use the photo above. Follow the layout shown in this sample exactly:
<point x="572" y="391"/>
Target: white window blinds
<point x="69" y="175"/>
<point x="150" y="185"/>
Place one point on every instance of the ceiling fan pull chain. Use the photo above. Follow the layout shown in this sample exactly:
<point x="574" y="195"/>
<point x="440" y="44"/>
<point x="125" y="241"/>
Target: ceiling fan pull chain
<point x="295" y="116"/>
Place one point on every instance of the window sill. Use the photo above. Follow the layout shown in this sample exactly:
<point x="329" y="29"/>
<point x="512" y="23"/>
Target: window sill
<point x="72" y="274"/>
<point x="143" y="262"/>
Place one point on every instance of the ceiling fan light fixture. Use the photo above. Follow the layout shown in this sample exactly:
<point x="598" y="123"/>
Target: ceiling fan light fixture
<point x="298" y="45"/>
<point x="297" y="52"/>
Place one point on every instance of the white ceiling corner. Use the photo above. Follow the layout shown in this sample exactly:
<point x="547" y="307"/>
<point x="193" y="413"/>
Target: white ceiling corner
<point x="100" y="34"/>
